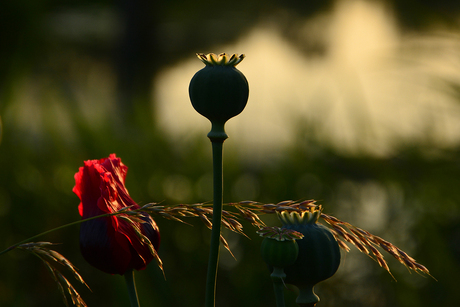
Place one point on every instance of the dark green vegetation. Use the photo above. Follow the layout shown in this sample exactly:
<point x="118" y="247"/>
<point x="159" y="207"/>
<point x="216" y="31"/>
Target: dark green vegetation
<point x="41" y="152"/>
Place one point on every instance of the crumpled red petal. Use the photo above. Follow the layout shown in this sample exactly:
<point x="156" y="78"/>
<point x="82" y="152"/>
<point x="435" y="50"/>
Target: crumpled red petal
<point x="111" y="244"/>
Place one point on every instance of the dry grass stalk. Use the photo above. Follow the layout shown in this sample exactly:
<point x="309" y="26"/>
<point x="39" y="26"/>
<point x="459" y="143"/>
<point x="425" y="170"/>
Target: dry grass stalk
<point x="135" y="222"/>
<point x="205" y="213"/>
<point x="50" y="258"/>
<point x="363" y="239"/>
<point x="250" y="211"/>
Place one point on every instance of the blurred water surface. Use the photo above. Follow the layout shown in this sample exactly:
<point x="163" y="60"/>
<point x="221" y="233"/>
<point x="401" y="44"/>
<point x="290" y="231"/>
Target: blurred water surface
<point x="372" y="88"/>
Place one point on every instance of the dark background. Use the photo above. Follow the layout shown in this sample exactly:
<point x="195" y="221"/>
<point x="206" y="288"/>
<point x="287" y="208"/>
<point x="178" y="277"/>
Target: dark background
<point x="47" y="52"/>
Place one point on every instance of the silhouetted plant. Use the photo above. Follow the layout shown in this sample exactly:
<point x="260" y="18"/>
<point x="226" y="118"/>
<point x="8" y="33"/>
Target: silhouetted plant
<point x="118" y="236"/>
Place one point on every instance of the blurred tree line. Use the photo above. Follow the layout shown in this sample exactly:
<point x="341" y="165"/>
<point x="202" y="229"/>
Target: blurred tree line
<point x="48" y="50"/>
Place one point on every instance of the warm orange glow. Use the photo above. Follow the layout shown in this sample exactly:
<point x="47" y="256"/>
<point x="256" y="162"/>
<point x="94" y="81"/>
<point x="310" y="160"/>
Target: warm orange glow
<point x="372" y="89"/>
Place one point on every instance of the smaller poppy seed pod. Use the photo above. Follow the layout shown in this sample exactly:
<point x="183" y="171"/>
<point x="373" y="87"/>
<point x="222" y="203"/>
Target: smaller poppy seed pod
<point x="279" y="248"/>
<point x="279" y="253"/>
<point x="219" y="91"/>
<point x="319" y="254"/>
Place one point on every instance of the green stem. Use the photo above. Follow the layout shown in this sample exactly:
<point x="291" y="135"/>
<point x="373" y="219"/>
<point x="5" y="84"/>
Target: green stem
<point x="54" y="229"/>
<point x="278" y="285"/>
<point x="131" y="284"/>
<point x="217" y="148"/>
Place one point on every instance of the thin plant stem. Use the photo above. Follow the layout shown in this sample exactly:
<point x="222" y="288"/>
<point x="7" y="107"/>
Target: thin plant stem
<point x="132" y="291"/>
<point x="217" y="148"/>
<point x="278" y="285"/>
<point x="55" y="229"/>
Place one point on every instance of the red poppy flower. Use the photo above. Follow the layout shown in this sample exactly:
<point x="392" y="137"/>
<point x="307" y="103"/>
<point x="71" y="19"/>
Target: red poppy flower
<point x="111" y="244"/>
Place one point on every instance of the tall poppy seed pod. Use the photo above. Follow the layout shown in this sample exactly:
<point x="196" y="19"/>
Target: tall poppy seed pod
<point x="319" y="254"/>
<point x="219" y="91"/>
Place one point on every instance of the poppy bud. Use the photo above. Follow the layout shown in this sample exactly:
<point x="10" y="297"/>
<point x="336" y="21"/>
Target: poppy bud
<point x="319" y="254"/>
<point x="112" y="244"/>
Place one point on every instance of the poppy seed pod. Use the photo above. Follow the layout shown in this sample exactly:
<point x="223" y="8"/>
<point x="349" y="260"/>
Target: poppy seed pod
<point x="219" y="91"/>
<point x="319" y="254"/>
<point x="279" y="248"/>
<point x="279" y="253"/>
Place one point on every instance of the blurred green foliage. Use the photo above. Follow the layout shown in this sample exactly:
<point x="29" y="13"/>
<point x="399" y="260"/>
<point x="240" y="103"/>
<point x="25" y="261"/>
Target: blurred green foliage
<point x="47" y="133"/>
